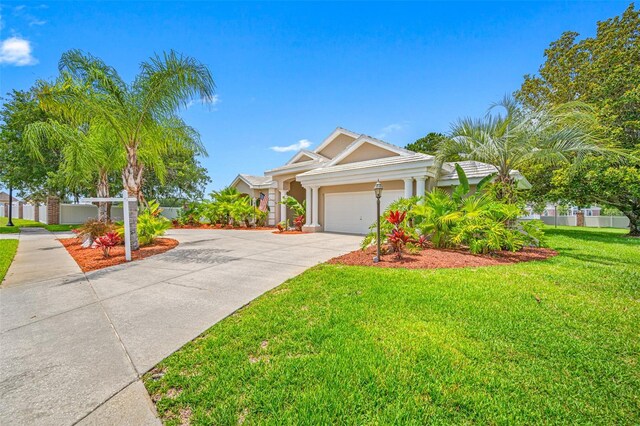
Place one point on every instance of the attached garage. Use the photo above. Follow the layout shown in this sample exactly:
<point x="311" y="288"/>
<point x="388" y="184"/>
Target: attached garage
<point x="354" y="212"/>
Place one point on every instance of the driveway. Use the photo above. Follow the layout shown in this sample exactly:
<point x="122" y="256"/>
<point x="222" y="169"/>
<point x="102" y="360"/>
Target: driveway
<point x="74" y="345"/>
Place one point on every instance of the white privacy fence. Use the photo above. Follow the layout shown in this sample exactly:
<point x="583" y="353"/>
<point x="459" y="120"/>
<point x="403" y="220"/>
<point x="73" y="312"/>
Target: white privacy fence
<point x="589" y="221"/>
<point x="73" y="214"/>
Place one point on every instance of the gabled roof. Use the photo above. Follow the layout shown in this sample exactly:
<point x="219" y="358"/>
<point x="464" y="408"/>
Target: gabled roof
<point x="365" y="139"/>
<point x="4" y="197"/>
<point x="254" y="182"/>
<point x="337" y="132"/>
<point x="306" y="153"/>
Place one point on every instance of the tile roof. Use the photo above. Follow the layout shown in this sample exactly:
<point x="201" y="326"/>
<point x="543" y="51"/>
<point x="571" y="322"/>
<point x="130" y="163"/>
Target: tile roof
<point x="257" y="180"/>
<point x="414" y="157"/>
<point x="473" y="169"/>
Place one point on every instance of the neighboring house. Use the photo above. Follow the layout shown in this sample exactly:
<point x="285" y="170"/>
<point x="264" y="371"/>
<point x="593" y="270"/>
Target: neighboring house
<point x="337" y="178"/>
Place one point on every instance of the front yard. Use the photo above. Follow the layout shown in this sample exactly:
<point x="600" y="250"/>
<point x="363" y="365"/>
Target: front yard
<point x="554" y="341"/>
<point x="8" y="249"/>
<point x="25" y="223"/>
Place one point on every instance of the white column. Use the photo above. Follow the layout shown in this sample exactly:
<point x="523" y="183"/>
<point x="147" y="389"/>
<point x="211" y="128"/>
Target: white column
<point x="283" y="208"/>
<point x="421" y="186"/>
<point x="408" y="188"/>
<point x="314" y="206"/>
<point x="308" y="218"/>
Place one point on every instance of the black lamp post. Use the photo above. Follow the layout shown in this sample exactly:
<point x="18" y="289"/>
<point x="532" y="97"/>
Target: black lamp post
<point x="378" y="191"/>
<point x="9" y="222"/>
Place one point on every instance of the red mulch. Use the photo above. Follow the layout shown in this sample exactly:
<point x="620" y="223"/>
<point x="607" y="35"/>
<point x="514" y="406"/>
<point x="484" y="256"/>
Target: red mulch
<point x="289" y="232"/>
<point x="90" y="259"/>
<point x="431" y="258"/>
<point x="207" y="226"/>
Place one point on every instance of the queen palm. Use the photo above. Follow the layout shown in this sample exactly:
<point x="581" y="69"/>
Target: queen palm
<point x="518" y="136"/>
<point x="141" y="115"/>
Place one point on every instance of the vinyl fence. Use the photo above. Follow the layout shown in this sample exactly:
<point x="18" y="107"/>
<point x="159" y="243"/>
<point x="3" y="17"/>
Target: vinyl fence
<point x="589" y="221"/>
<point x="72" y="214"/>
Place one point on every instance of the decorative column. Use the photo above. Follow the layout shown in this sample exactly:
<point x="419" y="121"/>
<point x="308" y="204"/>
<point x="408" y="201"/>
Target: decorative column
<point x="283" y="208"/>
<point x="20" y="210"/>
<point x="314" y="206"/>
<point x="36" y="211"/>
<point x="408" y="187"/>
<point x="307" y="215"/>
<point x="421" y="186"/>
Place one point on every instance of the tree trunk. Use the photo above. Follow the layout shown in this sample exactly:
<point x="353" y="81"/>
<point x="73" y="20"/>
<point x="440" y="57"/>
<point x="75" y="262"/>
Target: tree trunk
<point x="634" y="222"/>
<point x="132" y="182"/>
<point x="103" y="192"/>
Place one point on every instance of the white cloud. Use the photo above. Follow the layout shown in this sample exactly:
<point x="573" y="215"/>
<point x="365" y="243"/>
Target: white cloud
<point x="302" y="144"/>
<point x="16" y="51"/>
<point x="211" y="101"/>
<point x="395" y="127"/>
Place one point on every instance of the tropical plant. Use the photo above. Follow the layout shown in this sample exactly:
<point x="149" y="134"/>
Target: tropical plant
<point x="106" y="241"/>
<point x="222" y="205"/>
<point x="520" y="136"/>
<point x="151" y="224"/>
<point x="298" y="222"/>
<point x="89" y="231"/>
<point x="141" y="115"/>
<point x="190" y="214"/>
<point x="282" y="226"/>
<point x="298" y="208"/>
<point x="244" y="211"/>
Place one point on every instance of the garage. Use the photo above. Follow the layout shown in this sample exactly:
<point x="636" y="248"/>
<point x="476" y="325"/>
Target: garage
<point x="354" y="212"/>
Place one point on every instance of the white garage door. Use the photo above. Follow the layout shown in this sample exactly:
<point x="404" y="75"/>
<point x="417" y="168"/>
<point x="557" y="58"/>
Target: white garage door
<point x="354" y="212"/>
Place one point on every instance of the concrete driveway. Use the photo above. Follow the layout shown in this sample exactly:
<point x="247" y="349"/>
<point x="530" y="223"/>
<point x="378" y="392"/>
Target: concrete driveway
<point x="74" y="345"/>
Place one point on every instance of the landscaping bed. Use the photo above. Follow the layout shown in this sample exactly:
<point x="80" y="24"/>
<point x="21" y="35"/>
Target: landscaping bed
<point x="289" y="232"/>
<point x="442" y="258"/>
<point x="218" y="226"/>
<point x="90" y="259"/>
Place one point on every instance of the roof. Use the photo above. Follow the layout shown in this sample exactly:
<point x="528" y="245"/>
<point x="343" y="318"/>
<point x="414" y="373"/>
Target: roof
<point x="4" y="197"/>
<point x="254" y="181"/>
<point x="473" y="169"/>
<point x="410" y="158"/>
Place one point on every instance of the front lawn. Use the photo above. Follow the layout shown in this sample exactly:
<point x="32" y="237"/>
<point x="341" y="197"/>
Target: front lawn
<point x="7" y="252"/>
<point x="554" y="341"/>
<point x="24" y="223"/>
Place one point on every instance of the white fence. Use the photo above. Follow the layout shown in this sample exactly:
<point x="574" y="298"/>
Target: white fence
<point x="73" y="214"/>
<point x="589" y="221"/>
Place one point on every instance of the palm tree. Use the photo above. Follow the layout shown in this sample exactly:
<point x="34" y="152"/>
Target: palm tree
<point x="89" y="154"/>
<point x="141" y="115"/>
<point x="509" y="141"/>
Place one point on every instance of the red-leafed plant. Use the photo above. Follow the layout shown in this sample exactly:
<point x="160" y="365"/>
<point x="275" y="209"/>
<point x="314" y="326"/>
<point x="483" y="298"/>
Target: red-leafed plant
<point x="298" y="222"/>
<point x="108" y="240"/>
<point x="421" y="242"/>
<point x="282" y="226"/>
<point x="398" y="239"/>
<point x="396" y="217"/>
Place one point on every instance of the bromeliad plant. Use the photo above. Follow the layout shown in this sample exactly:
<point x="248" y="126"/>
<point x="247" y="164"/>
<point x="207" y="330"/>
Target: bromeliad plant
<point x="397" y="238"/>
<point x="106" y="241"/>
<point x="298" y="222"/>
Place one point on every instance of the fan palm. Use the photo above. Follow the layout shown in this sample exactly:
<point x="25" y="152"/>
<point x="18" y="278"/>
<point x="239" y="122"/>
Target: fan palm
<point x="512" y="139"/>
<point x="141" y="116"/>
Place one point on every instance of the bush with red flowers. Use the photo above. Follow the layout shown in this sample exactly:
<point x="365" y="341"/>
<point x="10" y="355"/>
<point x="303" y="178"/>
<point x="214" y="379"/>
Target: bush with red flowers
<point x="105" y="242"/>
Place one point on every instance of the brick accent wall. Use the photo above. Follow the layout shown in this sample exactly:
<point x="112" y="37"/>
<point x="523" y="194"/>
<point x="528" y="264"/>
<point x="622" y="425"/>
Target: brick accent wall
<point x="580" y="218"/>
<point x="53" y="210"/>
<point x="36" y="212"/>
<point x="20" y="210"/>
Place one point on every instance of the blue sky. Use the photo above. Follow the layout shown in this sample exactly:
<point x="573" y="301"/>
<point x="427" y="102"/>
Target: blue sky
<point x="289" y="73"/>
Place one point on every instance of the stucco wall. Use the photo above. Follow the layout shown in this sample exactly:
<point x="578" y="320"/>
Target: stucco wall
<point x="337" y="146"/>
<point x="388" y="185"/>
<point x="296" y="191"/>
<point x="244" y="188"/>
<point x="366" y="152"/>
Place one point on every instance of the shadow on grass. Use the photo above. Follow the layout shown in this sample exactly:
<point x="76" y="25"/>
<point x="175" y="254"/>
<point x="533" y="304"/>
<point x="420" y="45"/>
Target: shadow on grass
<point x="616" y="236"/>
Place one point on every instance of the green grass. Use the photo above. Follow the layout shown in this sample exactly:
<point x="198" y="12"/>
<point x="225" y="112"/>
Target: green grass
<point x="24" y="223"/>
<point x="552" y="342"/>
<point x="7" y="251"/>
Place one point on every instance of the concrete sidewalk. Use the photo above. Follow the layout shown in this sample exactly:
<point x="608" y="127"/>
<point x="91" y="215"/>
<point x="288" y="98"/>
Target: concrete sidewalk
<point x="75" y="345"/>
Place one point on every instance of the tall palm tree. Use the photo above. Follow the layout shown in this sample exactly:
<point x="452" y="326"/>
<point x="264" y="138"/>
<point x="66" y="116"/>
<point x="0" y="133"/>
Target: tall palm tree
<point x="518" y="136"/>
<point x="142" y="115"/>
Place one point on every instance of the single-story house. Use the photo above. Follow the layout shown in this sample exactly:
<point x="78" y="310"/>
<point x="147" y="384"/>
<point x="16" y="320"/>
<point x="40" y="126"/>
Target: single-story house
<point x="337" y="179"/>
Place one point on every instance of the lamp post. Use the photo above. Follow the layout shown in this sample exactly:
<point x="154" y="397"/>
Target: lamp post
<point x="378" y="191"/>
<point x="10" y="223"/>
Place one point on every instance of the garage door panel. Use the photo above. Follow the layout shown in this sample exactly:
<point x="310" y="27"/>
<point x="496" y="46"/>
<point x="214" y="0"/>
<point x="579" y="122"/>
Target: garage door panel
<point x="354" y="212"/>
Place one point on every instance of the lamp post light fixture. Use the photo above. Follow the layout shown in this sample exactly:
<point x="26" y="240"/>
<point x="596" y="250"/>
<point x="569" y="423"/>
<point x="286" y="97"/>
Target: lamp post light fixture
<point x="378" y="191"/>
<point x="10" y="223"/>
